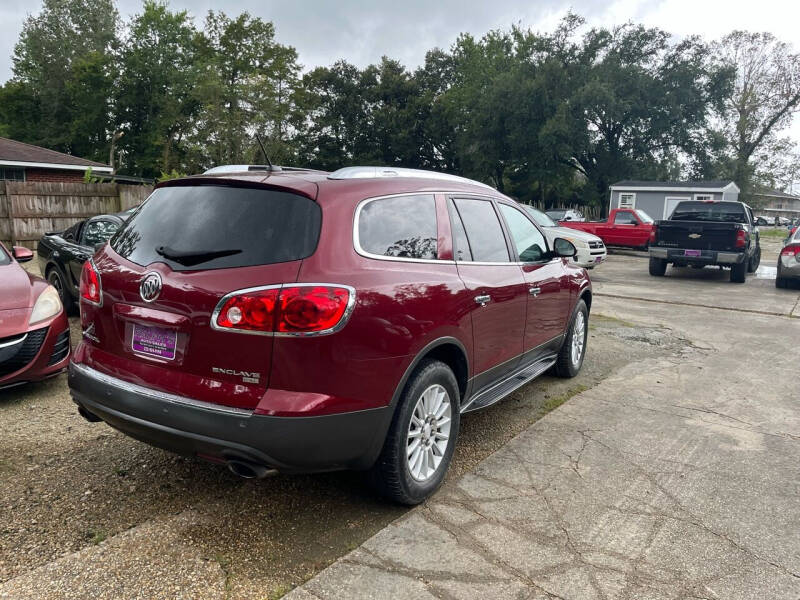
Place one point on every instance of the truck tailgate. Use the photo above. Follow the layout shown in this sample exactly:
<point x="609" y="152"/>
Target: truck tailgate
<point x="696" y="235"/>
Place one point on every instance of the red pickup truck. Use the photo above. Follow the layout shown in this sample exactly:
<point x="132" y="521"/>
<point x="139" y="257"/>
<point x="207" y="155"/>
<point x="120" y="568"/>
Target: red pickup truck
<point x="624" y="227"/>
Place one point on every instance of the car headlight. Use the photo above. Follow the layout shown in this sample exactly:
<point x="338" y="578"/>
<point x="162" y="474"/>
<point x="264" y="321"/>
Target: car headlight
<point x="48" y="305"/>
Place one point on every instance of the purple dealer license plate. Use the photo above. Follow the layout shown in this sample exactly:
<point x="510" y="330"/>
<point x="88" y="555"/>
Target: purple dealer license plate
<point x="691" y="252"/>
<point x="154" y="341"/>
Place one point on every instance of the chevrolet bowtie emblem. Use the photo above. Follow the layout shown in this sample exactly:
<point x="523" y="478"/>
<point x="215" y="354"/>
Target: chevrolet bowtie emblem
<point x="694" y="236"/>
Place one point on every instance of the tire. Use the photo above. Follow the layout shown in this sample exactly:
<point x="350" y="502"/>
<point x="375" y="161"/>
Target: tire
<point x="781" y="282"/>
<point x="55" y="279"/>
<point x="570" y="358"/>
<point x="658" y="266"/>
<point x="755" y="260"/>
<point x="399" y="475"/>
<point x="739" y="272"/>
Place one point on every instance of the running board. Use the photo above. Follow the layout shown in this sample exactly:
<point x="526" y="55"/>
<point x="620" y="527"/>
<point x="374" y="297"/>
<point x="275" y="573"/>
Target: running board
<point x="502" y="389"/>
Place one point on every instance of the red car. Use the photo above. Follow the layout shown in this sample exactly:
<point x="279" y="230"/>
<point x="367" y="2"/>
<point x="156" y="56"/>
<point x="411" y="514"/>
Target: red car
<point x="34" y="332"/>
<point x="295" y="320"/>
<point x="624" y="227"/>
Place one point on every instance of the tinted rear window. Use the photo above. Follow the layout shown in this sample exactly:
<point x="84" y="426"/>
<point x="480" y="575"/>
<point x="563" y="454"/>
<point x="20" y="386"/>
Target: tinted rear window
<point x="216" y="227"/>
<point x="709" y="211"/>
<point x="403" y="227"/>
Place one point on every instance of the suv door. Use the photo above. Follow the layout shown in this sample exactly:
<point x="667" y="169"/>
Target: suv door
<point x="545" y="278"/>
<point x="496" y="284"/>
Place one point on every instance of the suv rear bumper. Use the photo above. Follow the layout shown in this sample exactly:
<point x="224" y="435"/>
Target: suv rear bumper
<point x="708" y="257"/>
<point x="290" y="444"/>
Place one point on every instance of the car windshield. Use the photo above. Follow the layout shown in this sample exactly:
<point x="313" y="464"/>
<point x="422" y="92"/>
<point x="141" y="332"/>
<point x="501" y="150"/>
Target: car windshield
<point x="644" y="217"/>
<point x="556" y="215"/>
<point x="731" y="212"/>
<point x="541" y="218"/>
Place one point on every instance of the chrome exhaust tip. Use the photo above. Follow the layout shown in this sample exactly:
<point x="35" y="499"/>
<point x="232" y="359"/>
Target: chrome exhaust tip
<point x="249" y="470"/>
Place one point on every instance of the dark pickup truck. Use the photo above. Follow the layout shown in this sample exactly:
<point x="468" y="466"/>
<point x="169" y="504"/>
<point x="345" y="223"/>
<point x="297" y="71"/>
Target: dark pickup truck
<point x="700" y="233"/>
<point x="62" y="253"/>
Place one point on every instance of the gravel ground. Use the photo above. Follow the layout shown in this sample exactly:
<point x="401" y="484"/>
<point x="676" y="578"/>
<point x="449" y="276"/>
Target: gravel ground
<point x="74" y="494"/>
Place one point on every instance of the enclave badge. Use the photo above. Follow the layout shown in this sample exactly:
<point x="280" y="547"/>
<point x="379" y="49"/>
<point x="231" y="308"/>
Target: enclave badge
<point x="150" y="288"/>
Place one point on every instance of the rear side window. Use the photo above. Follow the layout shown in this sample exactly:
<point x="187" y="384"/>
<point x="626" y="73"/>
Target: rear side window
<point x="401" y="227"/>
<point x="483" y="229"/>
<point x="216" y="227"/>
<point x="624" y="218"/>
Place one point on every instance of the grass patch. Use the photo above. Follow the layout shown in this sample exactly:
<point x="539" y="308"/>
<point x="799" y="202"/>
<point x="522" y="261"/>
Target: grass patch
<point x="279" y="592"/>
<point x="776" y="234"/>
<point x="554" y="402"/>
<point x="95" y="536"/>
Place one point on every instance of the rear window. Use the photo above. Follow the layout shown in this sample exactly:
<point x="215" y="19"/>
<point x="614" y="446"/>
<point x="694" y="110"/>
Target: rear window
<point x="217" y="227"/>
<point x="732" y="212"/>
<point x="402" y="227"/>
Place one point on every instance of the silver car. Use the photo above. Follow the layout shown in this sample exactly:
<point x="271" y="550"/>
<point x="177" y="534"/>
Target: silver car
<point x="591" y="249"/>
<point x="789" y="261"/>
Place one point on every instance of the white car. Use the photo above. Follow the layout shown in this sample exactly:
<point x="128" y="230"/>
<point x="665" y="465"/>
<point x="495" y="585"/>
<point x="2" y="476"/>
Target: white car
<point x="591" y="249"/>
<point x="565" y="214"/>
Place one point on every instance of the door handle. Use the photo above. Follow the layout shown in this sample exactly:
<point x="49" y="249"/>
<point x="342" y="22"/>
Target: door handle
<point x="534" y="291"/>
<point x="483" y="299"/>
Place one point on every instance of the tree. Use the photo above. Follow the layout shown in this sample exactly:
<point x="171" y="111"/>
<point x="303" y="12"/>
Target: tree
<point x="762" y="102"/>
<point x="155" y="103"/>
<point x="59" y="96"/>
<point x="244" y="86"/>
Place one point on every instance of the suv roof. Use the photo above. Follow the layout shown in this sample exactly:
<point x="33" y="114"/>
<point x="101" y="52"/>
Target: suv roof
<point x="362" y="181"/>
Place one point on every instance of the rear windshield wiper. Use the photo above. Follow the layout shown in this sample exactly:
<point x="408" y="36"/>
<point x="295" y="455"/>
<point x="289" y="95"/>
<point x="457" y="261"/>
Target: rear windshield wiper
<point x="190" y="258"/>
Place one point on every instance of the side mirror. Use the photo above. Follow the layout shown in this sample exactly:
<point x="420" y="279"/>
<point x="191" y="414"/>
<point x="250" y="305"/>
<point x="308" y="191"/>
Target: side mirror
<point x="22" y="254"/>
<point x="564" y="248"/>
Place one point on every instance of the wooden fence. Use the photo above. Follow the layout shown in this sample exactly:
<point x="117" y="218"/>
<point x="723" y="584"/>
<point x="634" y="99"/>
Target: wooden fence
<point x="28" y="210"/>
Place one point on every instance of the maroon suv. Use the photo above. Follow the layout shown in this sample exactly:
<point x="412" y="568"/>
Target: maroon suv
<point x="295" y="320"/>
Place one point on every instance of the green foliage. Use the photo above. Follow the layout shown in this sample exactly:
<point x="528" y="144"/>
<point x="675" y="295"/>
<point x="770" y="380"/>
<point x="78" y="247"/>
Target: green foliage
<point x="174" y="174"/>
<point x="551" y="118"/>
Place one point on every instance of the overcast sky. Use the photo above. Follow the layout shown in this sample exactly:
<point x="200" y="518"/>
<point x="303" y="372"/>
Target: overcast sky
<point x="361" y="32"/>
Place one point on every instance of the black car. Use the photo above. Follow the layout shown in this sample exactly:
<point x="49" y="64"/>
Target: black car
<point x="62" y="254"/>
<point x="708" y="232"/>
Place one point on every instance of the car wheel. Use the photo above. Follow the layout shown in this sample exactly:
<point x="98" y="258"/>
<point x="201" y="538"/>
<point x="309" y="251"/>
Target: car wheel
<point x="54" y="278"/>
<point x="739" y="272"/>
<point x="658" y="266"/>
<point x="573" y="350"/>
<point x="421" y="439"/>
<point x="781" y="282"/>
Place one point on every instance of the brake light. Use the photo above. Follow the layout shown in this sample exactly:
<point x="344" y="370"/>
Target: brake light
<point x="792" y="250"/>
<point x="653" y="236"/>
<point x="90" y="288"/>
<point x="741" y="238"/>
<point x="250" y="311"/>
<point x="285" y="310"/>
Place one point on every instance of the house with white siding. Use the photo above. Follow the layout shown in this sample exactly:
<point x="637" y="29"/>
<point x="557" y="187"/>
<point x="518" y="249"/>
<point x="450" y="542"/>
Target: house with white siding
<point x="659" y="198"/>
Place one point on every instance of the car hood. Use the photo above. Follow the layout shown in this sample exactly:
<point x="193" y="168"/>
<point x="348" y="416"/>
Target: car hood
<point x="19" y="287"/>
<point x="573" y="234"/>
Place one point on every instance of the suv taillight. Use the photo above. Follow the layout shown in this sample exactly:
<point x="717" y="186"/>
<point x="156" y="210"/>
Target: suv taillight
<point x="90" y="288"/>
<point x="293" y="309"/>
<point x="741" y="238"/>
<point x="653" y="235"/>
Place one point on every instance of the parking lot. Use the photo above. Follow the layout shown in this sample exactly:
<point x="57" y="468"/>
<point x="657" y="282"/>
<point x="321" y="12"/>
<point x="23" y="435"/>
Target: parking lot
<point x="667" y="469"/>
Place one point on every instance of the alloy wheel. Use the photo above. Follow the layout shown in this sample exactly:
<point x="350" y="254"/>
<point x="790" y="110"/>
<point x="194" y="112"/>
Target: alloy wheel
<point x="428" y="432"/>
<point x="578" y="338"/>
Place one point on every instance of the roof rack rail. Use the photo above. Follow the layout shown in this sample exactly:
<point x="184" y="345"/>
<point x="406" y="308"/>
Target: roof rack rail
<point x="378" y="172"/>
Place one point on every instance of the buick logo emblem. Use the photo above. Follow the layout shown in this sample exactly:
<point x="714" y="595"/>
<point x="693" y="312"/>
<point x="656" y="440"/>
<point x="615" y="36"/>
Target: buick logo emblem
<point x="150" y="288"/>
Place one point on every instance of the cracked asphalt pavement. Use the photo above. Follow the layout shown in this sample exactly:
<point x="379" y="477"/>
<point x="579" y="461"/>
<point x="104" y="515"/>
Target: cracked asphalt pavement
<point x="675" y="477"/>
<point x="668" y="469"/>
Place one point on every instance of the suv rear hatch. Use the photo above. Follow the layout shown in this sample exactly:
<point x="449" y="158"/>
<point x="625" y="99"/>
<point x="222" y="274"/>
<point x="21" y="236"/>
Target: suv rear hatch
<point x="202" y="241"/>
